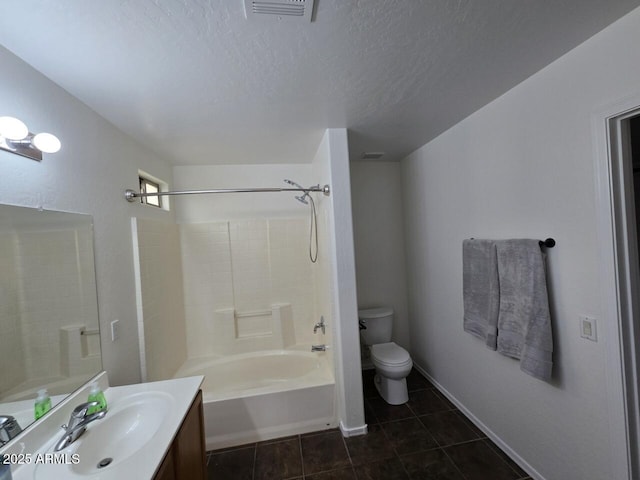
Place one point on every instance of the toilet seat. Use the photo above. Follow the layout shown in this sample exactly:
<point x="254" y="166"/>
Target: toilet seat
<point x="375" y="313"/>
<point x="390" y="355"/>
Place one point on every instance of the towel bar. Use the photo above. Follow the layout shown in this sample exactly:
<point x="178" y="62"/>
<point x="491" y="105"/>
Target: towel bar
<point x="549" y="243"/>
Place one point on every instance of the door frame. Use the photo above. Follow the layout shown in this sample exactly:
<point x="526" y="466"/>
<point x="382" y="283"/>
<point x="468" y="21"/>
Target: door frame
<point x="618" y="274"/>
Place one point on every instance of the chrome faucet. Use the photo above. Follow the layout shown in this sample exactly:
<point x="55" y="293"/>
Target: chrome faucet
<point x="9" y="428"/>
<point x="78" y="424"/>
<point x="320" y="325"/>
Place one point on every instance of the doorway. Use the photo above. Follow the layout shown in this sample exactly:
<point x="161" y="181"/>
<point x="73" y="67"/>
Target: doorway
<point x="619" y="201"/>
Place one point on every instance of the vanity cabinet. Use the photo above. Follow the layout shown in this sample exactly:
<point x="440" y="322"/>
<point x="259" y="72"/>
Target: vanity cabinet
<point x="186" y="457"/>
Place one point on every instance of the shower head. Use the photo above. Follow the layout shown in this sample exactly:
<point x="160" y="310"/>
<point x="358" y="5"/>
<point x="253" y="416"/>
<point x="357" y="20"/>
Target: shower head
<point x="300" y="198"/>
<point x="290" y="182"/>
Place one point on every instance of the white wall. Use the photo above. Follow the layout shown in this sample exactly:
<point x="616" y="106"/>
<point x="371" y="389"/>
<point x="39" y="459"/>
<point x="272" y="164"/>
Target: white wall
<point x="161" y="323"/>
<point x="378" y="235"/>
<point x="331" y="166"/>
<point x="96" y="163"/>
<point x="523" y="166"/>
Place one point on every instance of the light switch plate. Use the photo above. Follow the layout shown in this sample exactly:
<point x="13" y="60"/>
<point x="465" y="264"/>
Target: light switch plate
<point x="588" y="328"/>
<point x="115" y="330"/>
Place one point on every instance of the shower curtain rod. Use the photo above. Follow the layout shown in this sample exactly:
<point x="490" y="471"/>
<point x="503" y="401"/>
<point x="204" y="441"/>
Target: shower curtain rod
<point x="131" y="195"/>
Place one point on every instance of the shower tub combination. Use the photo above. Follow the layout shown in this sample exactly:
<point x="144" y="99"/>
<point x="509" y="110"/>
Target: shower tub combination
<point x="257" y="396"/>
<point x="259" y="383"/>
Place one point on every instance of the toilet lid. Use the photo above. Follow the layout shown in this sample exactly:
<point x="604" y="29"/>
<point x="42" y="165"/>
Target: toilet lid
<point x="390" y="354"/>
<point x="375" y="312"/>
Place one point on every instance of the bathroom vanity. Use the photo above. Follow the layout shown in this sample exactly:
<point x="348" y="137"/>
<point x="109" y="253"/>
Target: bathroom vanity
<point x="151" y="431"/>
<point x="186" y="458"/>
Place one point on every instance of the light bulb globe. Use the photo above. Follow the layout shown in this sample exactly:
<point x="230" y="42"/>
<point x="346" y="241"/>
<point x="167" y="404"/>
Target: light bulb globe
<point x="12" y="129"/>
<point x="46" y="142"/>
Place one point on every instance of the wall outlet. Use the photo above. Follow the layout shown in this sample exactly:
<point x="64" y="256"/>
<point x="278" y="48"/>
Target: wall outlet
<point x="115" y="330"/>
<point x="588" y="328"/>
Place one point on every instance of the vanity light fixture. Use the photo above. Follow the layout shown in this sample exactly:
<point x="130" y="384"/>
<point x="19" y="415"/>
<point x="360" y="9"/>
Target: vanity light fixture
<point x="16" y="138"/>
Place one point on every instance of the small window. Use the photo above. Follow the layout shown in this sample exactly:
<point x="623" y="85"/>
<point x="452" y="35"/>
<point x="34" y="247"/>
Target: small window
<point x="149" y="186"/>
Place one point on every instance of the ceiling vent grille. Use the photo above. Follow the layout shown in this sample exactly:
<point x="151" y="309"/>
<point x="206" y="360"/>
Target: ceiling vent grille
<point x="279" y="9"/>
<point x="372" y="155"/>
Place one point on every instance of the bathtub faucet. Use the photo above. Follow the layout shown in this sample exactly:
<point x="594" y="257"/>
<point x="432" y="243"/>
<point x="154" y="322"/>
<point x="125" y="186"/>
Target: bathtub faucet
<point x="318" y="348"/>
<point x="320" y="325"/>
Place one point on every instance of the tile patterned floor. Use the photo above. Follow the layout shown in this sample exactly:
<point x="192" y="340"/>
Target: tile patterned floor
<point x="427" y="438"/>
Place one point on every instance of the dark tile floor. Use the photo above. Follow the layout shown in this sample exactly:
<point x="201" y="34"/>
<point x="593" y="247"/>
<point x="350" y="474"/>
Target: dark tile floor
<point x="427" y="438"/>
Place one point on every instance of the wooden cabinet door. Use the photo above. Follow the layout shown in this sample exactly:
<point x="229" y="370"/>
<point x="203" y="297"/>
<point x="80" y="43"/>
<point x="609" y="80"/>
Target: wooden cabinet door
<point x="189" y="448"/>
<point x="186" y="458"/>
<point x="167" y="468"/>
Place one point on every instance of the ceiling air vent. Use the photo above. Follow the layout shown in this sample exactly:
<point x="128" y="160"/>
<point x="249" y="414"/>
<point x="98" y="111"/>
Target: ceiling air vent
<point x="279" y="9"/>
<point x="372" y="155"/>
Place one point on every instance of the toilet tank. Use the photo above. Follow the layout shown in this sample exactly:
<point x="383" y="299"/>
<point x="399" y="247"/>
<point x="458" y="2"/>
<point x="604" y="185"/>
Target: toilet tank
<point x="379" y="323"/>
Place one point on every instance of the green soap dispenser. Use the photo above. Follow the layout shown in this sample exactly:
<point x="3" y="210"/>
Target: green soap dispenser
<point x="96" y="395"/>
<point x="43" y="403"/>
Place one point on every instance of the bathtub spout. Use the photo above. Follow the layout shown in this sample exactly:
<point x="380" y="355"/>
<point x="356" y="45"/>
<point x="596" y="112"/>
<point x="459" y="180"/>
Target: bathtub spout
<point x="318" y="348"/>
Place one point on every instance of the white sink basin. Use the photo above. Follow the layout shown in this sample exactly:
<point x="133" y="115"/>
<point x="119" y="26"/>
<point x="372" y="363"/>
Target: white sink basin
<point x="130" y="424"/>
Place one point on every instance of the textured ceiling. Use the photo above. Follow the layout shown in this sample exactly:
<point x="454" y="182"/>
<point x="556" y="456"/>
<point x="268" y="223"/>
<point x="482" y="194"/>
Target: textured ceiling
<point x="198" y="83"/>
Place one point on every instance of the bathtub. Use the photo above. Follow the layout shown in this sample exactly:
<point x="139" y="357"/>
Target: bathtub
<point x="263" y="395"/>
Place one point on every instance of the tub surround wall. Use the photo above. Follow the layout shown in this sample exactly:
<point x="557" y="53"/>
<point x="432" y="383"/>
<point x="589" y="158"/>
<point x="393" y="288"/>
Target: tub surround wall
<point x="247" y="251"/>
<point x="10" y="345"/>
<point x="250" y="266"/>
<point x="236" y="273"/>
<point x="163" y="339"/>
<point x="523" y="166"/>
<point x="233" y="333"/>
<point x="79" y="350"/>
<point x="51" y="265"/>
<point x="40" y="267"/>
<point x="378" y="234"/>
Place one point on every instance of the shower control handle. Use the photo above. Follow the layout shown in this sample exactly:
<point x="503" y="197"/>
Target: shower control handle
<point x="320" y="325"/>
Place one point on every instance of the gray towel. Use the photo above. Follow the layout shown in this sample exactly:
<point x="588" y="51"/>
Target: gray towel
<point x="524" y="322"/>
<point x="480" y="289"/>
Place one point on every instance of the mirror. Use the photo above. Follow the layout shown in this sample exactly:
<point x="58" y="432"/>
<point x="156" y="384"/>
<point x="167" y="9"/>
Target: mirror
<point x="49" y="335"/>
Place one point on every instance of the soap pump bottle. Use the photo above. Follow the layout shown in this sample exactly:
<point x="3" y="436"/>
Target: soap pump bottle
<point x="96" y="395"/>
<point x="43" y="403"/>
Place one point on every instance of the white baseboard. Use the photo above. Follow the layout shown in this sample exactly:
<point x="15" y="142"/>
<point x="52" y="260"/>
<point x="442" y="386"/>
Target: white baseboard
<point x="533" y="473"/>
<point x="353" y="432"/>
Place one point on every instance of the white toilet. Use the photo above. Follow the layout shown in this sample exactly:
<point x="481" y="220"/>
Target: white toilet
<point x="392" y="362"/>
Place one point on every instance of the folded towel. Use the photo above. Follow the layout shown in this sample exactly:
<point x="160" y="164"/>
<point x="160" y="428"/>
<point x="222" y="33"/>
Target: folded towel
<point x="480" y="289"/>
<point x="524" y="322"/>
